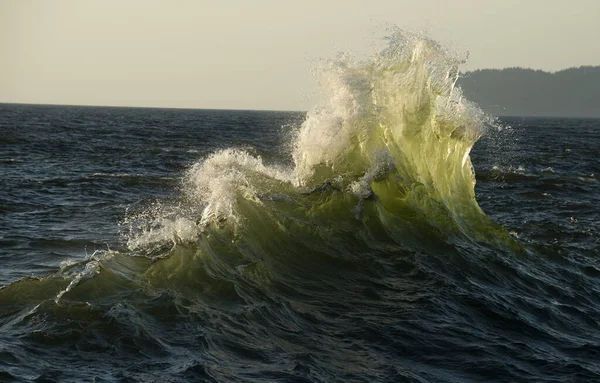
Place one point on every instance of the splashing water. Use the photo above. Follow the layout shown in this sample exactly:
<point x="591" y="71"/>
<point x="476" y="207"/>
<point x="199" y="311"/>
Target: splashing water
<point x="395" y="130"/>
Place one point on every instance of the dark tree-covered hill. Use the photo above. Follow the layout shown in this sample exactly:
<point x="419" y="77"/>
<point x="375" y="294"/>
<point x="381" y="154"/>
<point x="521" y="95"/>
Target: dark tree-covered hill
<point x="573" y="92"/>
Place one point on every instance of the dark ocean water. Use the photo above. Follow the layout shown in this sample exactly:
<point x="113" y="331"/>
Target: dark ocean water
<point x="309" y="286"/>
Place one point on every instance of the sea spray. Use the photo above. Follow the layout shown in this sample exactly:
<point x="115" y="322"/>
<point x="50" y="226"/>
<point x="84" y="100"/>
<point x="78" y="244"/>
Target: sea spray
<point x="395" y="129"/>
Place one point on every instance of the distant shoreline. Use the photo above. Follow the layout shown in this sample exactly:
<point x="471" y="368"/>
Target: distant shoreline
<point x="573" y="92"/>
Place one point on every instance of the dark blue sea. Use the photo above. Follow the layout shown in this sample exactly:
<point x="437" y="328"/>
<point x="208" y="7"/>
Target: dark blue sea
<point x="304" y="288"/>
<point x="396" y="233"/>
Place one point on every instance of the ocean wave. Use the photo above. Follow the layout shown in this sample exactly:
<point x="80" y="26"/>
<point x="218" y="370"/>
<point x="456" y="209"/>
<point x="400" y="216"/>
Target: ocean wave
<point x="395" y="133"/>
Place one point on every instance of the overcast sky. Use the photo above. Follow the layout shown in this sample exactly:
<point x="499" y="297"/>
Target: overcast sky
<point x="258" y="54"/>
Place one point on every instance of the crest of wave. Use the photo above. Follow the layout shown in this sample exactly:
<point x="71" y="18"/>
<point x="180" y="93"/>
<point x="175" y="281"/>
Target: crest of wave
<point x="406" y="90"/>
<point x="398" y="113"/>
<point x="218" y="181"/>
<point x="399" y="127"/>
<point x="211" y="190"/>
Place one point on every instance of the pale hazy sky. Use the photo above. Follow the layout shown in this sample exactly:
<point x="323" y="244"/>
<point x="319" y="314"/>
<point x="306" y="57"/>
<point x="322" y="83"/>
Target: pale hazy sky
<point x="258" y="54"/>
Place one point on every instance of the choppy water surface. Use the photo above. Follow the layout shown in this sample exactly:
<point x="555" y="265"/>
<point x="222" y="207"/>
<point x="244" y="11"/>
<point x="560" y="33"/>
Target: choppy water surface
<point x="348" y="244"/>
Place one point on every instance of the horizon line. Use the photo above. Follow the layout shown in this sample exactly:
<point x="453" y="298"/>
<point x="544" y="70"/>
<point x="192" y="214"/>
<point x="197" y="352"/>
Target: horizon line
<point x="151" y="107"/>
<point x="261" y="110"/>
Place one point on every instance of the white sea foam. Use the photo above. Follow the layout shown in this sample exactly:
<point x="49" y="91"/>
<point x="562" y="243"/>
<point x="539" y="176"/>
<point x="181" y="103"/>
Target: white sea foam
<point x="216" y="182"/>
